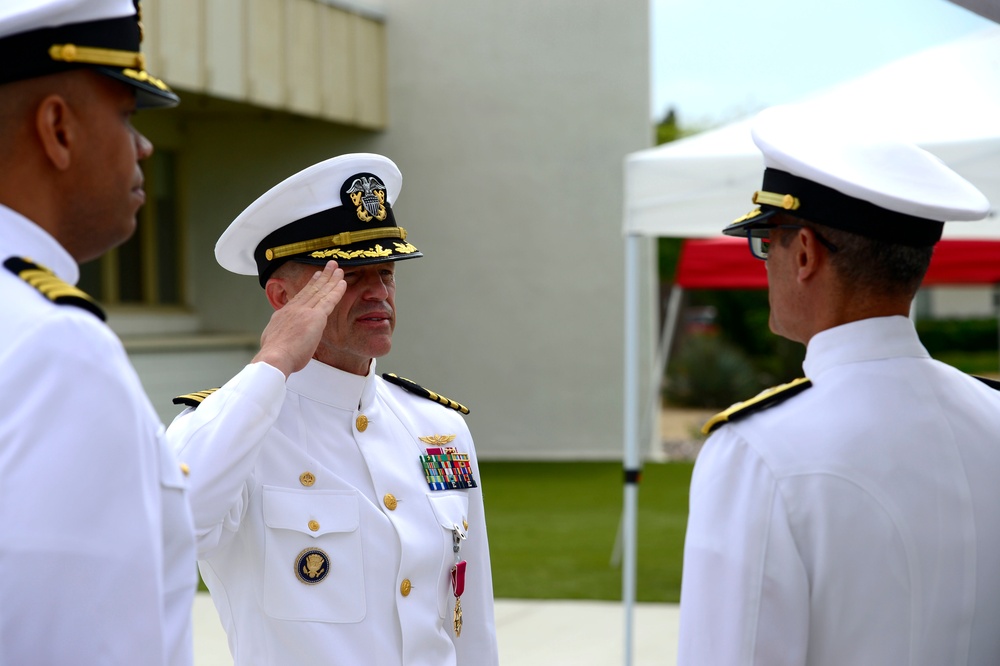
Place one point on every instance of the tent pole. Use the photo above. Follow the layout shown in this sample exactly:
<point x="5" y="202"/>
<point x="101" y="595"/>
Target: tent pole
<point x="663" y="356"/>
<point x="631" y="453"/>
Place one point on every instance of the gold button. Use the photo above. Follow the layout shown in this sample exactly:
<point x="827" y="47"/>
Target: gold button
<point x="307" y="478"/>
<point x="465" y="524"/>
<point x="390" y="501"/>
<point x="361" y="422"/>
<point x="313" y="525"/>
<point x="185" y="469"/>
<point x="405" y="587"/>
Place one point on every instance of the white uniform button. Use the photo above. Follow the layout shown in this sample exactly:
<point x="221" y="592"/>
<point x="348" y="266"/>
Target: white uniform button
<point x="307" y="479"/>
<point x="390" y="501"/>
<point x="405" y="587"/>
<point x="313" y="525"/>
<point x="361" y="422"/>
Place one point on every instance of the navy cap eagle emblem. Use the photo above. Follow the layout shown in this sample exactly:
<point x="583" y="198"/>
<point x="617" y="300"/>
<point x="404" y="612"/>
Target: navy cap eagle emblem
<point x="368" y="195"/>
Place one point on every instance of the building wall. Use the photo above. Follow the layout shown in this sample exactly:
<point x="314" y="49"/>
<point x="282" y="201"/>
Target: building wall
<point x="302" y="56"/>
<point x="961" y="302"/>
<point x="510" y="122"/>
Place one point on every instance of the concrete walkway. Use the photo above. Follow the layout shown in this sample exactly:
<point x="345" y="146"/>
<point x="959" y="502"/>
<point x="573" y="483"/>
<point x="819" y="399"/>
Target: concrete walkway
<point x="554" y="633"/>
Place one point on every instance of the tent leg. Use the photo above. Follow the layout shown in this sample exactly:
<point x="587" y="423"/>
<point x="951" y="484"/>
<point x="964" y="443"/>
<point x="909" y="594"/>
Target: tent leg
<point x="631" y="434"/>
<point x="662" y="358"/>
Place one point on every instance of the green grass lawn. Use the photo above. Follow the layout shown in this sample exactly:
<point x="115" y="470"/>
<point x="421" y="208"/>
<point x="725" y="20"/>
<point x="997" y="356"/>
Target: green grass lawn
<point x="553" y="526"/>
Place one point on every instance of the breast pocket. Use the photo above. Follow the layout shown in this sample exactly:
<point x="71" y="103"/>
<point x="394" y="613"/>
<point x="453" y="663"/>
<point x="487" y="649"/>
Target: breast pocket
<point x="451" y="511"/>
<point x="313" y="563"/>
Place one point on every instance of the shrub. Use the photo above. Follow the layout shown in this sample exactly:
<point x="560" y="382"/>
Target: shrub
<point x="709" y="372"/>
<point x="952" y="335"/>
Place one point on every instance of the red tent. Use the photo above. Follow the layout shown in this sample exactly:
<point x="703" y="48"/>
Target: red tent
<point x="726" y="263"/>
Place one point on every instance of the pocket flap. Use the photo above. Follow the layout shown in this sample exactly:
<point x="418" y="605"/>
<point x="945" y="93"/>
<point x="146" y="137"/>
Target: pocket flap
<point x="312" y="512"/>
<point x="450" y="510"/>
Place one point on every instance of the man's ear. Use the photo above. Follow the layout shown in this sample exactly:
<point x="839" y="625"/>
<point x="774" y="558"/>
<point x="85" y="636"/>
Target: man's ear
<point x="55" y="127"/>
<point x="809" y="254"/>
<point x="277" y="293"/>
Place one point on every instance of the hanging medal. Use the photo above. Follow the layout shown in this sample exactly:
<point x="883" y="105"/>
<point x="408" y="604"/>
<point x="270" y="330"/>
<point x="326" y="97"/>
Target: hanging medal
<point x="458" y="577"/>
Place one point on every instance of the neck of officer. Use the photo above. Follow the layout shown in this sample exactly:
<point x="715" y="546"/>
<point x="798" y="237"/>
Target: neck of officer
<point x="31" y="184"/>
<point x="833" y="303"/>
<point x="345" y="362"/>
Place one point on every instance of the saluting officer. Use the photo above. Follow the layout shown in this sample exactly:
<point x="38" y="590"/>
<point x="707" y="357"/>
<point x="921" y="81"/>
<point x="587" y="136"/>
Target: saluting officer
<point x="96" y="537"/>
<point x="849" y="517"/>
<point x="339" y="513"/>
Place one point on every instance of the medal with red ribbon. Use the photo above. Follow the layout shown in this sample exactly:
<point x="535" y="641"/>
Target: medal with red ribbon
<point x="458" y="577"/>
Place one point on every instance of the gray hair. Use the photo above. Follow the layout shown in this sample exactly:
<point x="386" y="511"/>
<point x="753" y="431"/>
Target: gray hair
<point x="874" y="266"/>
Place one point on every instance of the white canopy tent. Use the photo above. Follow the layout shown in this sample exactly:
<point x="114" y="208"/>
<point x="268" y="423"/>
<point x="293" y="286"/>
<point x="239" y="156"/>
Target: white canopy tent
<point x="945" y="99"/>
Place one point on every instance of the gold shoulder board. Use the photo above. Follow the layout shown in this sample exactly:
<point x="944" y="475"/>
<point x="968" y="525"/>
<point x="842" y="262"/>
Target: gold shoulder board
<point x="53" y="288"/>
<point x="992" y="383"/>
<point x="763" y="400"/>
<point x="417" y="389"/>
<point x="194" y="399"/>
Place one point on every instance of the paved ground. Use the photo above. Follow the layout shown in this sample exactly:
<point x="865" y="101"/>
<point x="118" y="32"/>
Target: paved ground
<point x="680" y="434"/>
<point x="553" y="633"/>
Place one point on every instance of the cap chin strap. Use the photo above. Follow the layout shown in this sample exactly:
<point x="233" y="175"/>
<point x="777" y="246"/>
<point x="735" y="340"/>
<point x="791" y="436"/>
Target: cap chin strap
<point x="786" y="201"/>
<point x="97" y="56"/>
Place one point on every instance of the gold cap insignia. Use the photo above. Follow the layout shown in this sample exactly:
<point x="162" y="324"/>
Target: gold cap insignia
<point x="368" y="195"/>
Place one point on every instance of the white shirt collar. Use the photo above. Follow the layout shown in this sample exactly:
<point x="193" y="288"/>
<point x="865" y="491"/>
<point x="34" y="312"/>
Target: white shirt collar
<point x="865" y="340"/>
<point x="20" y="237"/>
<point x="330" y="386"/>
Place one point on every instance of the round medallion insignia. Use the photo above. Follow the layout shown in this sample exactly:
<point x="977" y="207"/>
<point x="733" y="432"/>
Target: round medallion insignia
<point x="312" y="565"/>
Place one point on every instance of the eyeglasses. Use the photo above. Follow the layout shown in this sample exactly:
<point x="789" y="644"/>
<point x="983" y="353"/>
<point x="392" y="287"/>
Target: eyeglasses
<point x="759" y="239"/>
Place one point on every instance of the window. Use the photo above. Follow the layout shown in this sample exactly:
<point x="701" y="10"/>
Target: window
<point x="146" y="270"/>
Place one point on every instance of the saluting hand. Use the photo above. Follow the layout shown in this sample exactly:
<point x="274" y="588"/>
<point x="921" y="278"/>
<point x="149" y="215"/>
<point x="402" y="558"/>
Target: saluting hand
<point x="291" y="337"/>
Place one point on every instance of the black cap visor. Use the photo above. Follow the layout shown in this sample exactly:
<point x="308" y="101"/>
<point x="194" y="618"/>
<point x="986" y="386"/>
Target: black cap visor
<point x="804" y="199"/>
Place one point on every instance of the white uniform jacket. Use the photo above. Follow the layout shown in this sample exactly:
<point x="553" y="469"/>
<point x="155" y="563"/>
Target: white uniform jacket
<point x="857" y="522"/>
<point x="96" y="538"/>
<point x="327" y="464"/>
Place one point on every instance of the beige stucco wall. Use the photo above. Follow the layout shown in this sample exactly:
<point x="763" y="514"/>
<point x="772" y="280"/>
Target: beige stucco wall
<point x="510" y="122"/>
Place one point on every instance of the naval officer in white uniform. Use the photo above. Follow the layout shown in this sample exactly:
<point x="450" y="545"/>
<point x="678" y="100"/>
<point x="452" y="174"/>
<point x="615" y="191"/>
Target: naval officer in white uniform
<point x="849" y="517"/>
<point x="96" y="537"/>
<point x="339" y="513"/>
